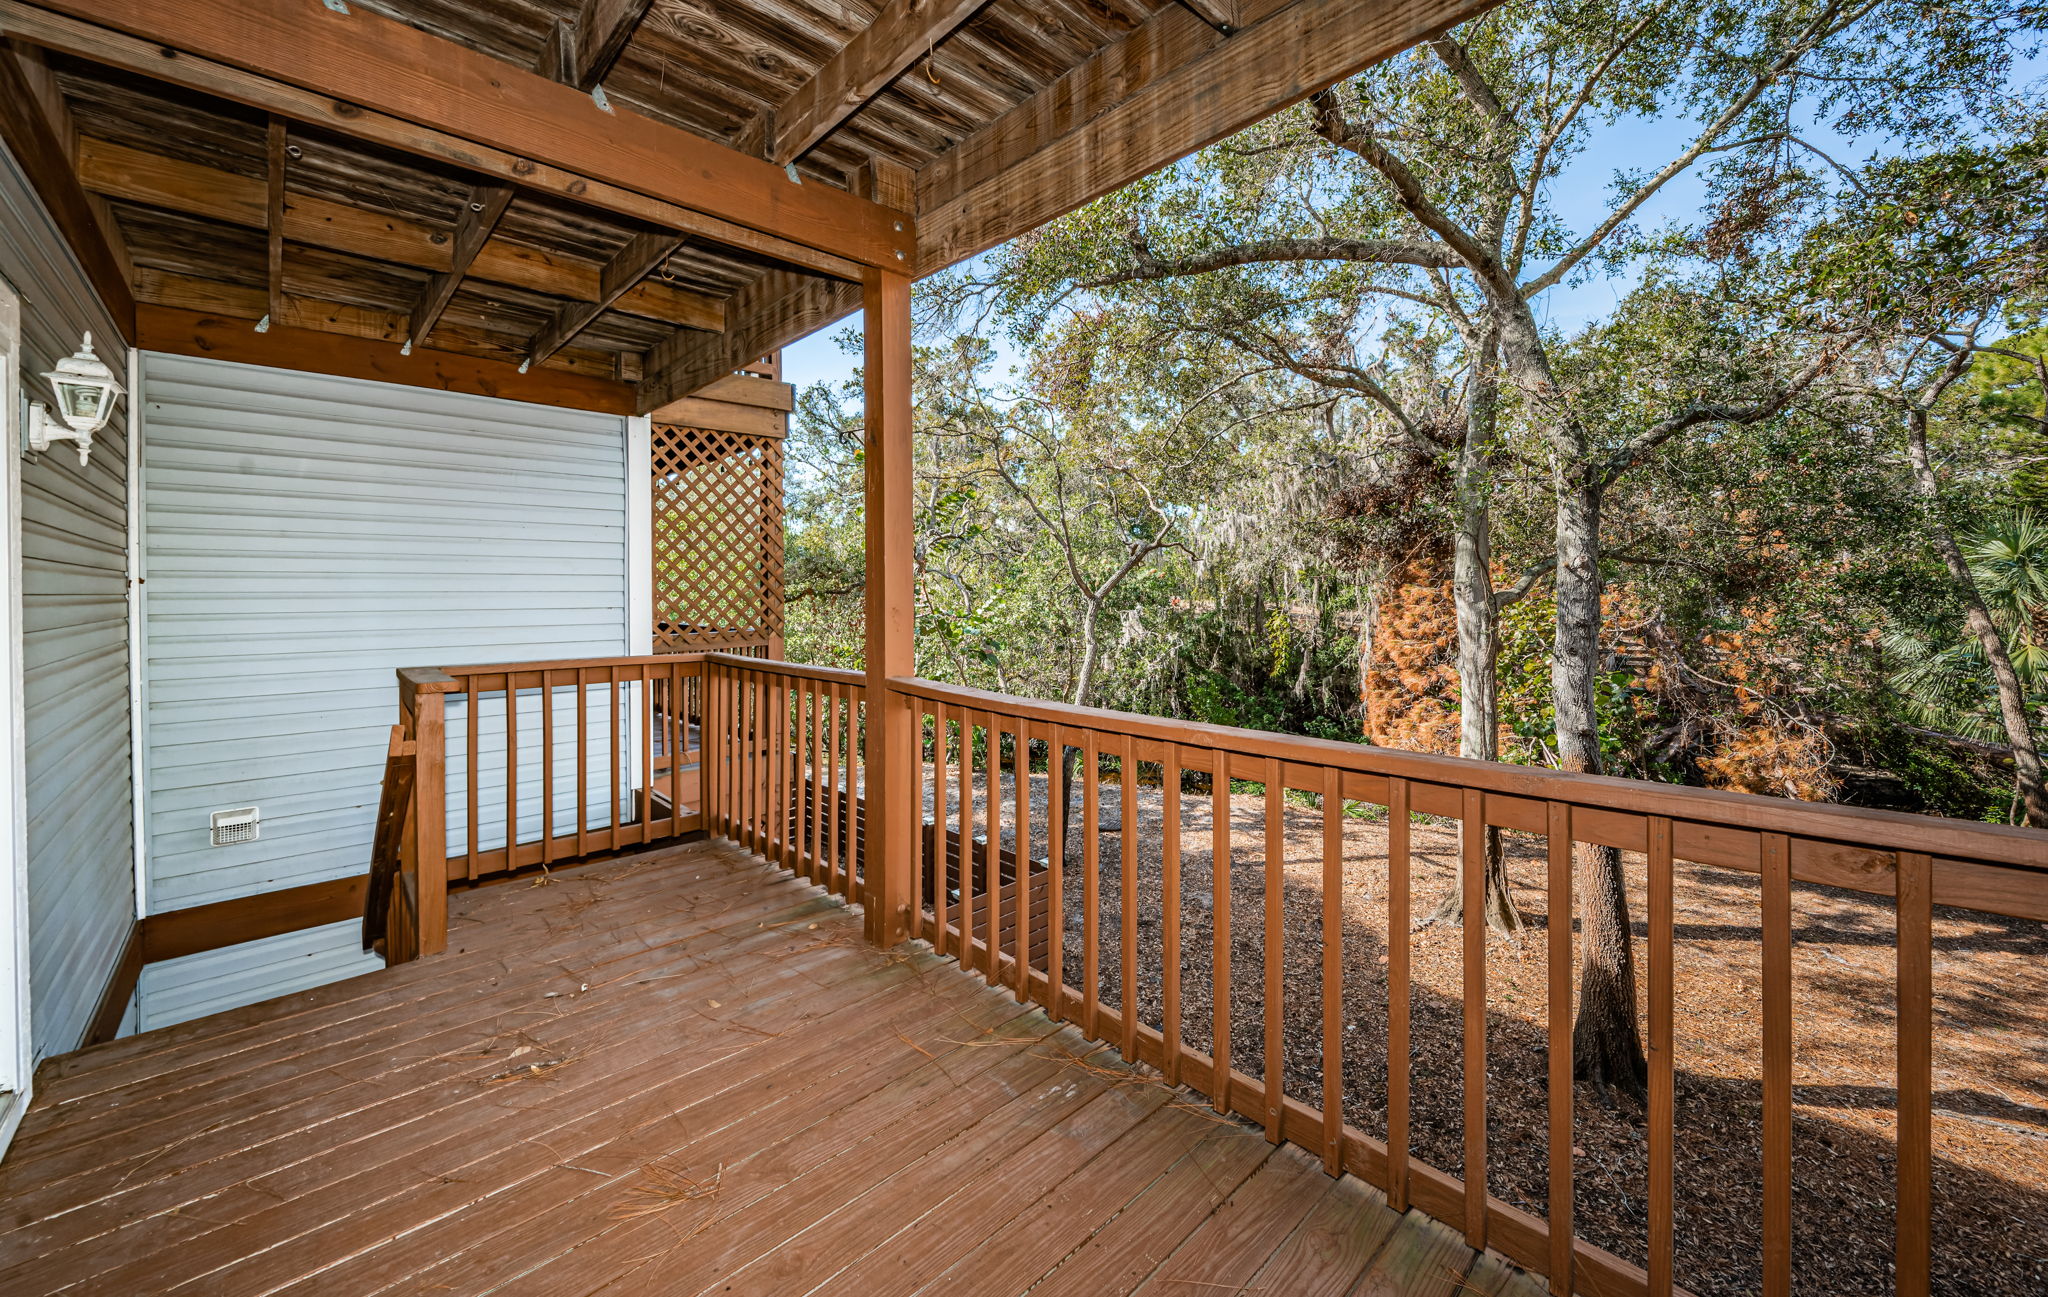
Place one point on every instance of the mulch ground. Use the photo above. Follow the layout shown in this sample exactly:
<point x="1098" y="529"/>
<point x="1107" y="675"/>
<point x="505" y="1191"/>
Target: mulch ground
<point x="1991" y="1043"/>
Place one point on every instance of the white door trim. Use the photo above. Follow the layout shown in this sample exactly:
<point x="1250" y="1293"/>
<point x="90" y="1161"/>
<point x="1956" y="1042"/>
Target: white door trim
<point x="639" y="535"/>
<point x="17" y="1057"/>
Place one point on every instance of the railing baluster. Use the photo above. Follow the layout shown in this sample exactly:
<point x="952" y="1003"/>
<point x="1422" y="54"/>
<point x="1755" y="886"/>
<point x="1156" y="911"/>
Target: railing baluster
<point x="646" y="753"/>
<point x="1169" y="888"/>
<point x="800" y="780"/>
<point x="1777" y="1051"/>
<point x="1472" y="846"/>
<point x="1127" y="869"/>
<point x="1397" y="993"/>
<point x="582" y="762"/>
<point x="856" y="833"/>
<point x="612" y="751"/>
<point x="942" y="870"/>
<point x="676" y="740"/>
<point x="1219" y="925"/>
<point x="968" y="936"/>
<point x="1276" y="925"/>
<point x="992" y="851"/>
<point x="1055" y="879"/>
<point x="470" y="775"/>
<point x="1915" y="919"/>
<point x="1560" y="1046"/>
<point x="815" y="799"/>
<point x="1333" y="970"/>
<point x="511" y="772"/>
<point x="1091" y="884"/>
<point x="1662" y="951"/>
<point x="1020" y="791"/>
<point x="547" y="770"/>
<point x="778" y="774"/>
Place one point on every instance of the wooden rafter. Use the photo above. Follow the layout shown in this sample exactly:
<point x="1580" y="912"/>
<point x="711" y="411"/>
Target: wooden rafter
<point x="480" y="214"/>
<point x="197" y="333"/>
<point x="273" y="214"/>
<point x="581" y="52"/>
<point x="473" y="97"/>
<point x="643" y="254"/>
<point x="1225" y="16"/>
<point x="132" y="175"/>
<point x="903" y="32"/>
<point x="45" y="158"/>
<point x="1168" y="88"/>
<point x="776" y="308"/>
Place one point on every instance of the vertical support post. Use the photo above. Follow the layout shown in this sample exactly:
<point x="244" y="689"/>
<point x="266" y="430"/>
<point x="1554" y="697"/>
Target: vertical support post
<point x="430" y="818"/>
<point x="891" y="794"/>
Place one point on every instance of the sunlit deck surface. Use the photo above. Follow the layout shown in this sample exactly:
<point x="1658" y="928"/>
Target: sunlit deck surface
<point x="678" y="1072"/>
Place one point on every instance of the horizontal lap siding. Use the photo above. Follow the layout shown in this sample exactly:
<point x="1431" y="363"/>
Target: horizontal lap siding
<point x="73" y="523"/>
<point x="304" y="538"/>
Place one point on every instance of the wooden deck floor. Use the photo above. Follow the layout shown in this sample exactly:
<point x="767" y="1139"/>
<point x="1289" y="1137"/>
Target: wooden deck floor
<point x="677" y="1073"/>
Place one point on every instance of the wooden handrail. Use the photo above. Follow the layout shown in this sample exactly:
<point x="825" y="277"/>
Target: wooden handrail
<point x="1851" y="825"/>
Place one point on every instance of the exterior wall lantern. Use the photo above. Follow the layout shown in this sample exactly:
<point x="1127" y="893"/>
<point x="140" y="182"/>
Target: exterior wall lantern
<point x="86" y="392"/>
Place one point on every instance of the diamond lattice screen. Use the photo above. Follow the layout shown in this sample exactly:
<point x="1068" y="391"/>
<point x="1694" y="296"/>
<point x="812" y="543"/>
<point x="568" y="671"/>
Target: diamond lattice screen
<point x="717" y="540"/>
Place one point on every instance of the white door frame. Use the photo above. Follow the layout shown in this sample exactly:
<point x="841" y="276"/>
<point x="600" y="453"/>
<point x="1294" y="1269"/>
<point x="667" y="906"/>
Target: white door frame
<point x="17" y="1058"/>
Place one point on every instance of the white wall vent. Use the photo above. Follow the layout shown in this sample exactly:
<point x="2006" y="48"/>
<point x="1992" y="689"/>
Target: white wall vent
<point x="230" y="827"/>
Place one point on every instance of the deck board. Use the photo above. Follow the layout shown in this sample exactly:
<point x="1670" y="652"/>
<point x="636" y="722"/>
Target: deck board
<point x="676" y="1072"/>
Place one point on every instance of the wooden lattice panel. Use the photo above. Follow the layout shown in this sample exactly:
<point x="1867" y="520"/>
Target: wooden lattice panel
<point x="717" y="540"/>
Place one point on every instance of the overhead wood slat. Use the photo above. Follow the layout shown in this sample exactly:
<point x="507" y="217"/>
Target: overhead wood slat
<point x="136" y="176"/>
<point x="480" y="216"/>
<point x="474" y="97"/>
<point x="273" y="213"/>
<point x="583" y="52"/>
<point x="877" y="55"/>
<point x="1274" y="62"/>
<point x="643" y="253"/>
<point x="762" y="317"/>
<point x="349" y="118"/>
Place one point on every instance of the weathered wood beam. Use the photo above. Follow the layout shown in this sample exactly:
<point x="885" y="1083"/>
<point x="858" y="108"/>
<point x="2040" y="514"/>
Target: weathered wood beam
<point x="643" y="254"/>
<point x="365" y="61"/>
<point x="762" y="317"/>
<point x="343" y="117"/>
<point x="192" y="333"/>
<point x="1168" y="88"/>
<point x="582" y="52"/>
<point x="903" y="32"/>
<point x="273" y="213"/>
<point x="1226" y="16"/>
<point x="46" y="160"/>
<point x="132" y="175"/>
<point x="481" y="212"/>
<point x="301" y="310"/>
<point x="49" y="95"/>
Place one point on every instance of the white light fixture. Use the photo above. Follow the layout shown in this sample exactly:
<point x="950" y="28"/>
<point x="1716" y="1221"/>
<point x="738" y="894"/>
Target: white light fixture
<point x="86" y="391"/>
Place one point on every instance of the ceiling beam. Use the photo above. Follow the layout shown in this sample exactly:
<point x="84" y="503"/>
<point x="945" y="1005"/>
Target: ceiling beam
<point x="773" y="310"/>
<point x="643" y="254"/>
<point x="1226" y="16"/>
<point x="1170" y="87"/>
<point x="46" y="160"/>
<point x="903" y="32"/>
<point x="582" y="51"/>
<point x="131" y="175"/>
<point x="273" y="213"/>
<point x="480" y="215"/>
<point x="194" y="333"/>
<point x="366" y="61"/>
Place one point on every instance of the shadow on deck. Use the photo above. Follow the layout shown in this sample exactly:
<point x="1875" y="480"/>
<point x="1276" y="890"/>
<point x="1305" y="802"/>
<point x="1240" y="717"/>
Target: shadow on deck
<point x="678" y="1072"/>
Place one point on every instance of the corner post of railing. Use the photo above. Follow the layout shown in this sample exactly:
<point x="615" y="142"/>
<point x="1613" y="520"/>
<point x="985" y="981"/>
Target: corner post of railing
<point x="891" y="795"/>
<point x="429" y="833"/>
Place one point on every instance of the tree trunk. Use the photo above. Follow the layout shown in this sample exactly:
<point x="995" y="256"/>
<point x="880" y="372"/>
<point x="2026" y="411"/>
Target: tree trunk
<point x="1478" y="637"/>
<point x="2028" y="779"/>
<point x="1607" y="1047"/>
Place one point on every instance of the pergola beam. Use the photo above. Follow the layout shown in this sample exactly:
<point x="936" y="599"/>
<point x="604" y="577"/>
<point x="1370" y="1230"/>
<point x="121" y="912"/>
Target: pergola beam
<point x="273" y="215"/>
<point x="131" y="175"/>
<point x="480" y="215"/>
<point x="583" y="51"/>
<point x="901" y="33"/>
<point x="643" y="254"/>
<point x="1170" y="87"/>
<point x="481" y="113"/>
<point x="778" y="307"/>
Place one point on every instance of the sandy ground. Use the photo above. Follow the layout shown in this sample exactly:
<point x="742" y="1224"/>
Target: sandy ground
<point x="1991" y="1062"/>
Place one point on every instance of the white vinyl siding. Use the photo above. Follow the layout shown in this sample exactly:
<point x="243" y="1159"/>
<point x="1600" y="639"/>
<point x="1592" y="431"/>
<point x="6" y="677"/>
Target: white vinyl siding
<point x="305" y="537"/>
<point x="74" y="645"/>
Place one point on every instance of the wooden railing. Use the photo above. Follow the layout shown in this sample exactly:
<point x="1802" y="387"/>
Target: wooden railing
<point x="784" y="752"/>
<point x="529" y="764"/>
